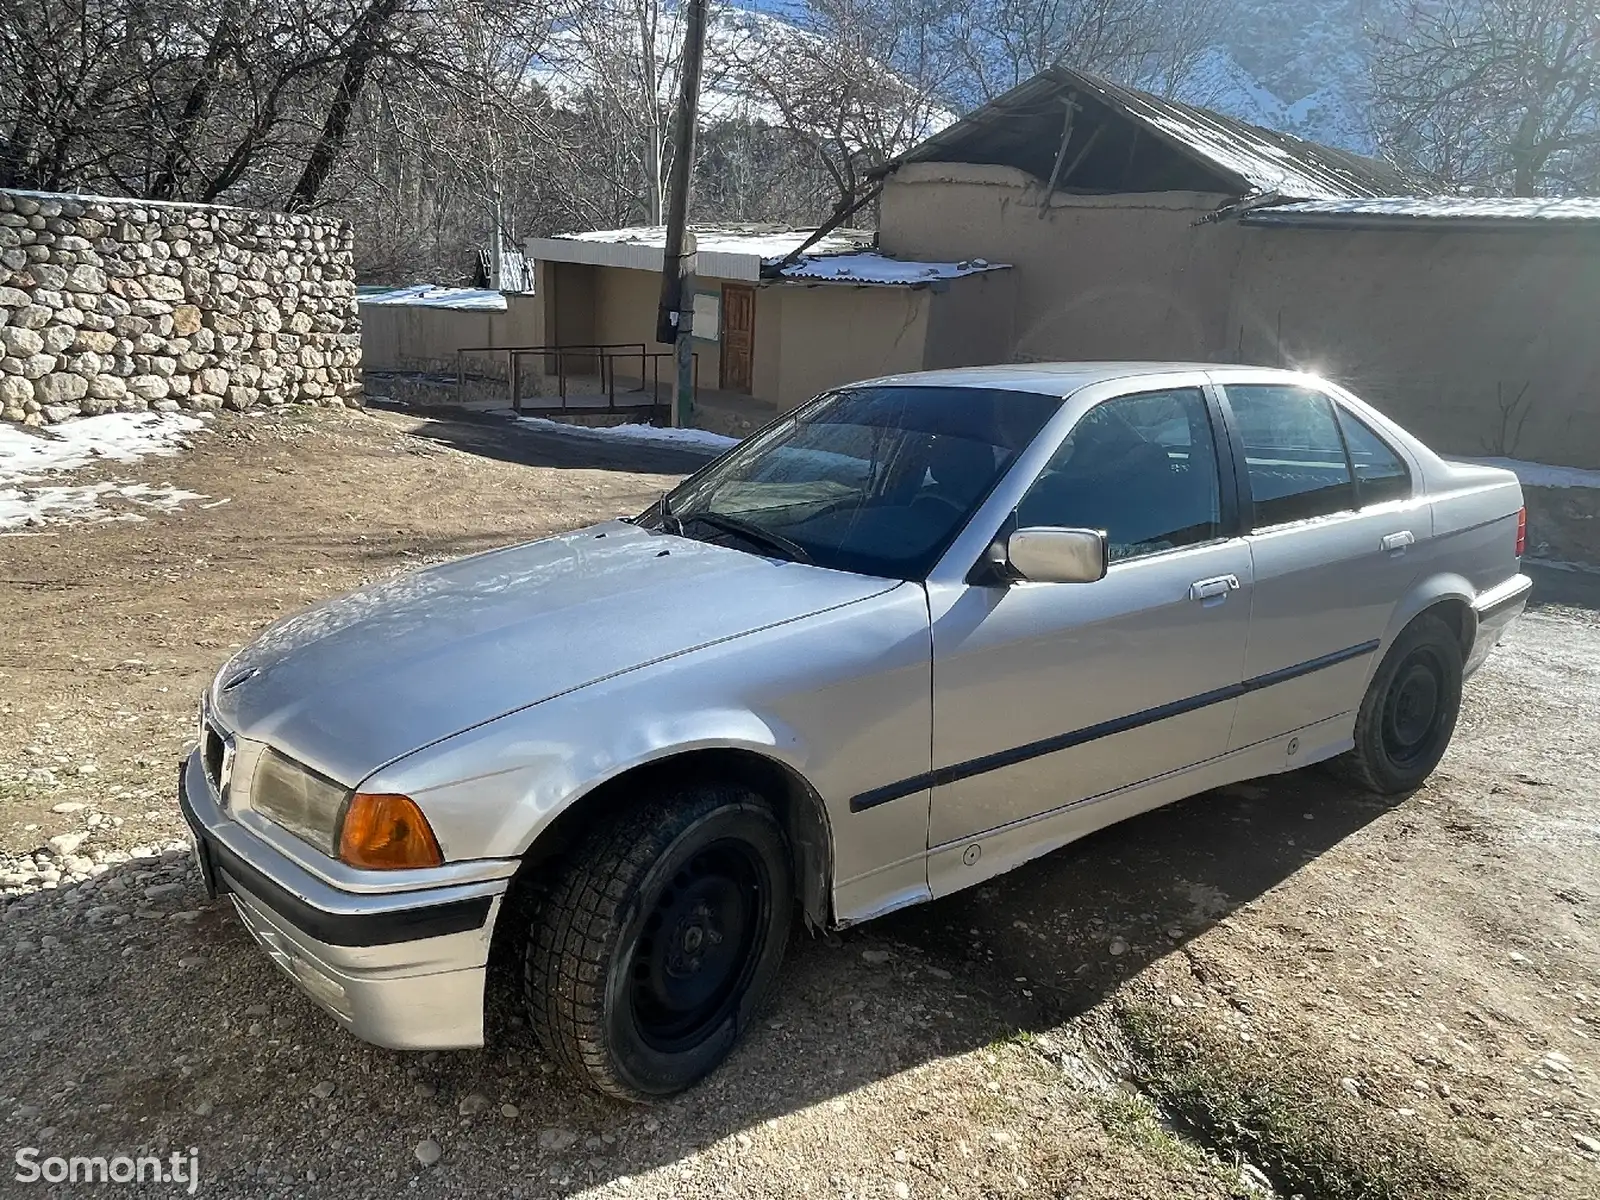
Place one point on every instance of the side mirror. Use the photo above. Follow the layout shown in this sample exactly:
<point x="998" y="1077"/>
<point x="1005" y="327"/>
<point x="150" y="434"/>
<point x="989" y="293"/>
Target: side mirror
<point x="1044" y="554"/>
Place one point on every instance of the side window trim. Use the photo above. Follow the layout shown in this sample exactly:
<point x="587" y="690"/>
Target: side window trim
<point x="1334" y="409"/>
<point x="1232" y="477"/>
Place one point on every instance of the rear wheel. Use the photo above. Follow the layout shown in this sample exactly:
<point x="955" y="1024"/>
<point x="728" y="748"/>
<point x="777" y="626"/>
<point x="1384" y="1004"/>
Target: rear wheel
<point x="1409" y="712"/>
<point x="660" y="938"/>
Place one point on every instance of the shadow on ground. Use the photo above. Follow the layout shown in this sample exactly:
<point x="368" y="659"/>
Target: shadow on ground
<point x="1562" y="587"/>
<point x="499" y="436"/>
<point x="209" y="1046"/>
<point x="172" y="1030"/>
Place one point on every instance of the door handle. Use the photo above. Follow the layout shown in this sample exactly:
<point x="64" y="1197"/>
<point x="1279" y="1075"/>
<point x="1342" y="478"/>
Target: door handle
<point x="1210" y="589"/>
<point x="1398" y="541"/>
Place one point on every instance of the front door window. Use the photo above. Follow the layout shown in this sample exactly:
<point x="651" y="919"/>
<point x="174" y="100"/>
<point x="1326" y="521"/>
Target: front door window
<point x="1143" y="468"/>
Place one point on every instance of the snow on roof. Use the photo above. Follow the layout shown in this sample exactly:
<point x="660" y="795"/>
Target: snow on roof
<point x="869" y="268"/>
<point x="427" y="295"/>
<point x="770" y="242"/>
<point x="1266" y="160"/>
<point x="722" y="251"/>
<point x="1406" y="209"/>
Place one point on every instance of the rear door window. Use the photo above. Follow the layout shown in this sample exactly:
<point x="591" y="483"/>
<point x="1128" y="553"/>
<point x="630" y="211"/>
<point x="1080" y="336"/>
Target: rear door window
<point x="1294" y="454"/>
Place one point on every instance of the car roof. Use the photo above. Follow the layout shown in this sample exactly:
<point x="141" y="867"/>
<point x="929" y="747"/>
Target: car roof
<point x="1062" y="378"/>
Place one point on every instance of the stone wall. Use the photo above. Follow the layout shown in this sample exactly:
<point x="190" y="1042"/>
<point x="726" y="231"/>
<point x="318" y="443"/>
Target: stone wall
<point x="122" y="305"/>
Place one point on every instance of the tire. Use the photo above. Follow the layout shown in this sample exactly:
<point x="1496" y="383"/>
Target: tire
<point x="660" y="939"/>
<point x="1409" y="712"/>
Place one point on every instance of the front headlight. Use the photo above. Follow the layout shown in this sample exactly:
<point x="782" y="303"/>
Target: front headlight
<point x="298" y="799"/>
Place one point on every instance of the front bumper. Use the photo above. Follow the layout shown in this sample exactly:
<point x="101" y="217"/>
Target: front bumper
<point x="399" y="969"/>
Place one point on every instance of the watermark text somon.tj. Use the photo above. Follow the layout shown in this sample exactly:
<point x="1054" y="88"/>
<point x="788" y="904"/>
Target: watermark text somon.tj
<point x="180" y="1168"/>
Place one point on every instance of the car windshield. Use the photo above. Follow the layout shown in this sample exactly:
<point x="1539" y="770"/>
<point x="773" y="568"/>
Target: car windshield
<point x="877" y="480"/>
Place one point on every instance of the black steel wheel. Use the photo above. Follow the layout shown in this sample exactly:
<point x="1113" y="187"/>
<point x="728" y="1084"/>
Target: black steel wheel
<point x="700" y="945"/>
<point x="661" y="937"/>
<point x="1409" y="712"/>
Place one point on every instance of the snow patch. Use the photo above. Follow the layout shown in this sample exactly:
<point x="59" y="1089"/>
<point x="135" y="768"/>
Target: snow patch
<point x="119" y="437"/>
<point x="46" y="505"/>
<point x="699" y="438"/>
<point x="1532" y="474"/>
<point x="124" y="201"/>
<point x="27" y="457"/>
<point x="1331" y="115"/>
<point x="1218" y="81"/>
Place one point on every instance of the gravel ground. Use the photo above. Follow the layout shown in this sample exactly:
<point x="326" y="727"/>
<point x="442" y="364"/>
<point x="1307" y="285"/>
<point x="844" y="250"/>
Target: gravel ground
<point x="1281" y="985"/>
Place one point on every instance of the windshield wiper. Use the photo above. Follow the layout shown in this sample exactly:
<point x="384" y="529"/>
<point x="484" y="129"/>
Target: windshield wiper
<point x="753" y="533"/>
<point x="669" y="522"/>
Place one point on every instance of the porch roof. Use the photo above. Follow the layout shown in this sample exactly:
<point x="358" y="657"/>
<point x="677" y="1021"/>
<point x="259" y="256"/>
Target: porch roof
<point x="731" y="251"/>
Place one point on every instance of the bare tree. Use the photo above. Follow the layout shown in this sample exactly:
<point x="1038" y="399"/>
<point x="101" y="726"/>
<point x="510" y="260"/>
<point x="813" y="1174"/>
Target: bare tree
<point x="70" y="71"/>
<point x="365" y="45"/>
<point x="445" y="128"/>
<point x="827" y="84"/>
<point x="618" y="61"/>
<point x="1140" y="42"/>
<point x="1493" y="95"/>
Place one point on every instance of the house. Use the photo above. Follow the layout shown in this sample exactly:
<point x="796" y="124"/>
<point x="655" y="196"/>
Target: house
<point x="1072" y="218"/>
<point x="1143" y="228"/>
<point x="772" y="324"/>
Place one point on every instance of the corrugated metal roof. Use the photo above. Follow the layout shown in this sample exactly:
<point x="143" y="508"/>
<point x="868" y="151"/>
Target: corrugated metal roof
<point x="1023" y="128"/>
<point x="1508" y="211"/>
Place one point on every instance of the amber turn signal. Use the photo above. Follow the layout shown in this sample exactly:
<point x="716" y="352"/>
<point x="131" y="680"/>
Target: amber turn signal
<point x="387" y="832"/>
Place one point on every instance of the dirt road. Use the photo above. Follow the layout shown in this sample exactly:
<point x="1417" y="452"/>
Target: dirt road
<point x="1282" y="986"/>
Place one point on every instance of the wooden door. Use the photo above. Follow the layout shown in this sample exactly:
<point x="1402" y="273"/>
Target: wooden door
<point x="738" y="337"/>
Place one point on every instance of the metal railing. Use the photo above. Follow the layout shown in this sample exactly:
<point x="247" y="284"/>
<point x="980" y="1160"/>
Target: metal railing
<point x="602" y="358"/>
<point x="512" y="354"/>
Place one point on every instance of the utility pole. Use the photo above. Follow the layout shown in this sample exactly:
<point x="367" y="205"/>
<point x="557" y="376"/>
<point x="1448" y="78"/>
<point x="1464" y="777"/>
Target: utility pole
<point x="675" y="318"/>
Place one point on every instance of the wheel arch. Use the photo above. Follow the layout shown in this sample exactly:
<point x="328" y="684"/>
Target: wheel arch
<point x="1448" y="596"/>
<point x="798" y="805"/>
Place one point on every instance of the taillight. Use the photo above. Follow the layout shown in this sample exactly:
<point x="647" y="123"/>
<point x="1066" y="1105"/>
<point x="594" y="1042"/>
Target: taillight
<point x="1522" y="530"/>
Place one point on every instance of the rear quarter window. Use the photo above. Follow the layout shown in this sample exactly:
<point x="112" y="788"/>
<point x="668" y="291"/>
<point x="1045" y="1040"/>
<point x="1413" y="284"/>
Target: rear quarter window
<point x="1381" y="474"/>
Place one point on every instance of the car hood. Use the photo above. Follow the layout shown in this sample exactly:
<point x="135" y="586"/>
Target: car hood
<point x="361" y="680"/>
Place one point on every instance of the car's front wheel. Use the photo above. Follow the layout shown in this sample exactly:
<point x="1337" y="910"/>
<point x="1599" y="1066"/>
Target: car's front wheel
<point x="661" y="936"/>
<point x="1409" y="711"/>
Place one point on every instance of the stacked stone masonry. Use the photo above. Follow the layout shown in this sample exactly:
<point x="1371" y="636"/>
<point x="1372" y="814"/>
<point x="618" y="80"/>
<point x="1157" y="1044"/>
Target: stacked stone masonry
<point x="125" y="305"/>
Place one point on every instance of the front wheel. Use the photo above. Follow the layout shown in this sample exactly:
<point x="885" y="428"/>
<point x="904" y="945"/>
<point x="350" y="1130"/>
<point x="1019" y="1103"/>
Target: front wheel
<point x="1409" y="712"/>
<point x="660" y="939"/>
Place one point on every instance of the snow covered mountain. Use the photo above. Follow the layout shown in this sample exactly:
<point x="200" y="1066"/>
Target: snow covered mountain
<point x="1300" y="66"/>
<point x="1334" y="113"/>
